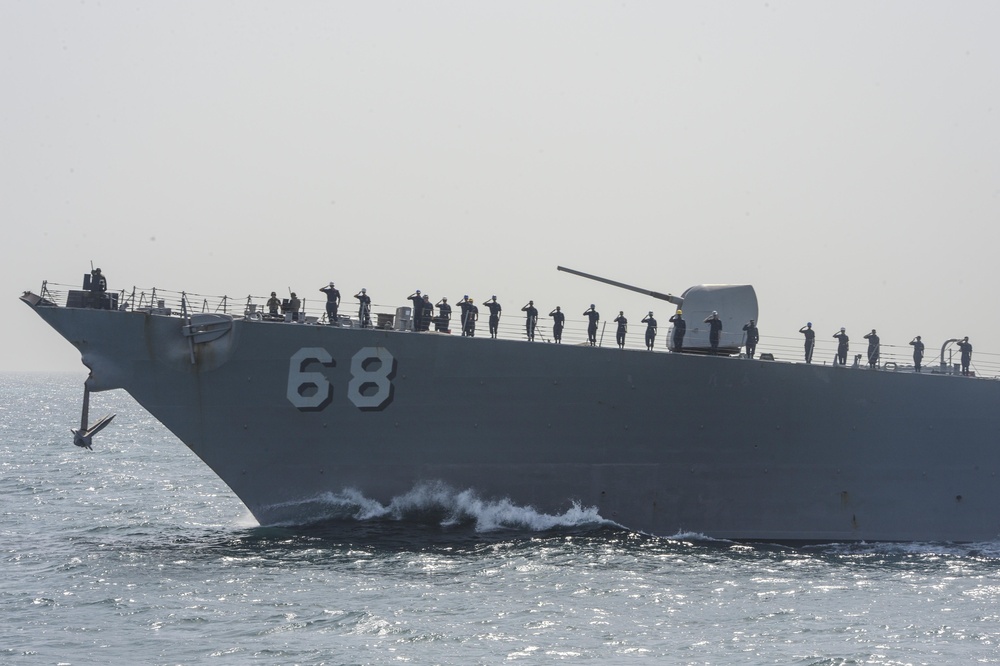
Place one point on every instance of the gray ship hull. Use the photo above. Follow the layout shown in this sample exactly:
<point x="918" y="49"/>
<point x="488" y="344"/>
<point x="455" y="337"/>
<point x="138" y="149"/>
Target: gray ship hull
<point x="286" y="414"/>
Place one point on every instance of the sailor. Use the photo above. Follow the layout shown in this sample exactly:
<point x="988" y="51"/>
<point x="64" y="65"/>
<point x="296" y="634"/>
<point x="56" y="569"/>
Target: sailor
<point x="273" y="304"/>
<point x="918" y="352"/>
<point x="98" y="285"/>
<point x="650" y="330"/>
<point x="810" y="334"/>
<point x="966" y="349"/>
<point x="443" y="321"/>
<point x="364" y="308"/>
<point x="464" y="305"/>
<point x="418" y="309"/>
<point x="427" y="313"/>
<point x="332" y="302"/>
<point x="753" y="336"/>
<point x="530" y="319"/>
<point x="873" y="349"/>
<point x="558" y="321"/>
<point x="842" y="346"/>
<point x="714" y="327"/>
<point x="495" y="310"/>
<point x="471" y="317"/>
<point x="622" y="329"/>
<point x="594" y="317"/>
<point x="293" y="306"/>
<point x="680" y="326"/>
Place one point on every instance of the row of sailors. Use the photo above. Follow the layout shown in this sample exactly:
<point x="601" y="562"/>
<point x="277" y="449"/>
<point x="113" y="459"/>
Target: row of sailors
<point x="423" y="316"/>
<point x="874" y="344"/>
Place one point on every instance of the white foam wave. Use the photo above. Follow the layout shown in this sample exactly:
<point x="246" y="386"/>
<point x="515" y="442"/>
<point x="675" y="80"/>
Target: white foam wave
<point x="437" y="502"/>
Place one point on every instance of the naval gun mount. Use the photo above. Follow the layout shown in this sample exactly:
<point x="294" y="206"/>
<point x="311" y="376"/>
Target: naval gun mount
<point x="735" y="303"/>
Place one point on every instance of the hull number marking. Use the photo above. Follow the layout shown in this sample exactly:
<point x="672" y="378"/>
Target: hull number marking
<point x="370" y="387"/>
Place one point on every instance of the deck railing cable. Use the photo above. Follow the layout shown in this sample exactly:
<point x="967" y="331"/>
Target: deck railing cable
<point x="512" y="327"/>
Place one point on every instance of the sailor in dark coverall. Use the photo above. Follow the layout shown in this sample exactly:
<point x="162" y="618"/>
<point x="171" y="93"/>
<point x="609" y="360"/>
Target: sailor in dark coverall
<point x="273" y="304"/>
<point x="680" y="327"/>
<point x="418" y="309"/>
<point x="495" y="311"/>
<point x="530" y="320"/>
<point x="714" y="327"/>
<point x="966" y="349"/>
<point x="558" y="321"/>
<point x="650" y="330"/>
<point x="426" y="314"/>
<point x="364" y="309"/>
<point x="443" y="321"/>
<point x="622" y="329"/>
<point x="810" y="334"/>
<point x="918" y="352"/>
<point x="332" y="302"/>
<point x="594" y="317"/>
<point x="471" y="317"/>
<point x="842" y="341"/>
<point x="753" y="336"/>
<point x="873" y="349"/>
<point x="464" y="305"/>
<point x="293" y="306"/>
<point x="98" y="286"/>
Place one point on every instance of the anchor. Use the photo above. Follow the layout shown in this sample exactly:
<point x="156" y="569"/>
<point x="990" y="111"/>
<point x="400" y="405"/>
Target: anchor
<point x="84" y="436"/>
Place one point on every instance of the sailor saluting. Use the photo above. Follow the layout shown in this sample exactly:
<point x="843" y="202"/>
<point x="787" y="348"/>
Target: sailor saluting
<point x="622" y="329"/>
<point x="530" y="320"/>
<point x="680" y="327"/>
<point x="810" y="334"/>
<point x="558" y="321"/>
<point x="98" y="285"/>
<point x="714" y="327"/>
<point x="650" y="323"/>
<point x="918" y="352"/>
<point x="594" y="317"/>
<point x="364" y="308"/>
<point x="495" y="311"/>
<point x="470" y="315"/>
<point x="442" y="322"/>
<point x="842" y="345"/>
<point x="332" y="303"/>
<point x="966" y="348"/>
<point x="753" y="337"/>
<point x="418" y="310"/>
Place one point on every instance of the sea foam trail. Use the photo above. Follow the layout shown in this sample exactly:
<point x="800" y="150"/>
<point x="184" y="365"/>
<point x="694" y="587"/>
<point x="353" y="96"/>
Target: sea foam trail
<point x="440" y="503"/>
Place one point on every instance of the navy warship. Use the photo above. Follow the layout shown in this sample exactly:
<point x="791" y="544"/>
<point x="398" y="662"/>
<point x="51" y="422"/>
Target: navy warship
<point x="692" y="440"/>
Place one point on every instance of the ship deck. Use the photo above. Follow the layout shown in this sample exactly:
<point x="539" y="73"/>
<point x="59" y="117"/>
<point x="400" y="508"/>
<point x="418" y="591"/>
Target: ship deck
<point x="788" y="349"/>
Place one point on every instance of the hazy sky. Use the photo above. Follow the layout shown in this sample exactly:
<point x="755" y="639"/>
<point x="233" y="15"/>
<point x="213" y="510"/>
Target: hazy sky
<point x="842" y="157"/>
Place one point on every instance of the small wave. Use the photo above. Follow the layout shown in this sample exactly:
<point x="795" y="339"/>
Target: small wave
<point x="432" y="502"/>
<point x="985" y="550"/>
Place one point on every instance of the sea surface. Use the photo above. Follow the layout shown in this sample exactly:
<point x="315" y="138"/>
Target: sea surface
<point x="136" y="553"/>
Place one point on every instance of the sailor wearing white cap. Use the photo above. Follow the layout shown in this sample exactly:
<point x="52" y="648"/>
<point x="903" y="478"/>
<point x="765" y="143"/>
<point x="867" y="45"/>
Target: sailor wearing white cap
<point x="650" y="323"/>
<point x="714" y="328"/>
<point x="332" y="303"/>
<point x="842" y="345"/>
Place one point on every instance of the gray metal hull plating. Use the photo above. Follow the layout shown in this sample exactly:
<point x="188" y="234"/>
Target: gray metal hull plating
<point x="662" y="443"/>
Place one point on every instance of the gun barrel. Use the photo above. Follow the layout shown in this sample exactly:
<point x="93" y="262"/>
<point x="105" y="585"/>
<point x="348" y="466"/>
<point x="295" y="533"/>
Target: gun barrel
<point x="677" y="300"/>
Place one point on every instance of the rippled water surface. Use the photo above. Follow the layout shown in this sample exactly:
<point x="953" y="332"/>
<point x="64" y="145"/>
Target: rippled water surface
<point x="136" y="553"/>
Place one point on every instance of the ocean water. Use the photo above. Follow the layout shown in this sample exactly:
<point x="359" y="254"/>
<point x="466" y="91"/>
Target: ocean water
<point x="136" y="553"/>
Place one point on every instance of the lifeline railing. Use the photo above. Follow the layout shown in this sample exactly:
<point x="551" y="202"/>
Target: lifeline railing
<point x="165" y="302"/>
